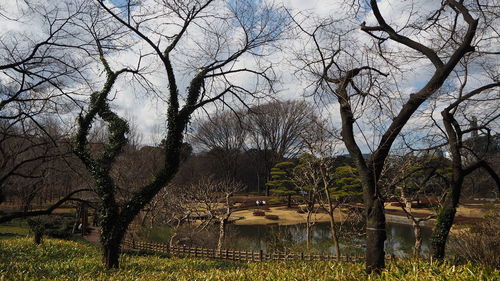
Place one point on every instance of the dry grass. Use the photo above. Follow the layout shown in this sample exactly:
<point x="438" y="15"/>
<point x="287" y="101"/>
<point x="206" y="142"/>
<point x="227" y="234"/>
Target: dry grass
<point x="286" y="217"/>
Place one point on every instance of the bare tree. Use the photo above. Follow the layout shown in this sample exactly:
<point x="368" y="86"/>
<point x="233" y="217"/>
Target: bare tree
<point x="330" y="184"/>
<point x="275" y="130"/>
<point x="213" y="64"/>
<point x="337" y="76"/>
<point x="211" y="197"/>
<point x="309" y="181"/>
<point x="223" y="136"/>
<point x="412" y="177"/>
<point x="173" y="207"/>
<point x="455" y="137"/>
<point x="34" y="160"/>
<point x="34" y="71"/>
<point x="469" y="119"/>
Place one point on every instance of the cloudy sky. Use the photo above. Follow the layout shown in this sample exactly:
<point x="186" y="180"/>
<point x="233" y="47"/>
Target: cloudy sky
<point x="147" y="109"/>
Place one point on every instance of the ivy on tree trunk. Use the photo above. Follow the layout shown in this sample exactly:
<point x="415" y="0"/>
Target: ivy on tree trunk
<point x="114" y="219"/>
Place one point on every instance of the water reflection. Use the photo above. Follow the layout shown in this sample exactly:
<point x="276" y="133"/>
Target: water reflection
<point x="400" y="239"/>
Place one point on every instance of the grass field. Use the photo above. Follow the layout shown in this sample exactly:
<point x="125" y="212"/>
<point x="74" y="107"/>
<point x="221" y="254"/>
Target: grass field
<point x="67" y="260"/>
<point x="14" y="228"/>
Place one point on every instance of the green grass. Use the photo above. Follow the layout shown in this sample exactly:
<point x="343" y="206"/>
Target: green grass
<point x="14" y="228"/>
<point x="20" y="259"/>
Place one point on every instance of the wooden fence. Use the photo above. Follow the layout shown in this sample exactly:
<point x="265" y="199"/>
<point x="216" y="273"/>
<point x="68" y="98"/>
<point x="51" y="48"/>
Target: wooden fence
<point x="233" y="255"/>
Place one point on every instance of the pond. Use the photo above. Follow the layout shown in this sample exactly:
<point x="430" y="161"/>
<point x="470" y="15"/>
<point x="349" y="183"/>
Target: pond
<point x="292" y="238"/>
<point x="400" y="239"/>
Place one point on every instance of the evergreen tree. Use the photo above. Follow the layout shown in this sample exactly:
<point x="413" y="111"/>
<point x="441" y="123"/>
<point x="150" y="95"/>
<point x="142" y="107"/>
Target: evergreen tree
<point x="345" y="182"/>
<point x="282" y="182"/>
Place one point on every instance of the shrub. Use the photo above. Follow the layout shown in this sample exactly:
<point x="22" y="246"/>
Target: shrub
<point x="479" y="243"/>
<point x="272" y="217"/>
<point x="259" y="213"/>
<point x="56" y="226"/>
<point x="38" y="226"/>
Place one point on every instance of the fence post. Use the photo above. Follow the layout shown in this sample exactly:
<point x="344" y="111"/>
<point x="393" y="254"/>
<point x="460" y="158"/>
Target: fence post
<point x="302" y="256"/>
<point x="261" y="255"/>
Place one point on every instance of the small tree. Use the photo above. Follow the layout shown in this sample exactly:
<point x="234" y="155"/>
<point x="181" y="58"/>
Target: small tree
<point x="338" y="186"/>
<point x="326" y="185"/>
<point x="412" y="177"/>
<point x="211" y="197"/>
<point x="308" y="180"/>
<point x="282" y="182"/>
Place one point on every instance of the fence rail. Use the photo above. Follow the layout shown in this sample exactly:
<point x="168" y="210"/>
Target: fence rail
<point x="233" y="255"/>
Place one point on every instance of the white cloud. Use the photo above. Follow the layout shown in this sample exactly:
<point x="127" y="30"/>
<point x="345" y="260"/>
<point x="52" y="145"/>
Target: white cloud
<point x="149" y="109"/>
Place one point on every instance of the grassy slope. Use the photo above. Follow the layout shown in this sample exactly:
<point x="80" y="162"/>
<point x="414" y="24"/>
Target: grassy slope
<point x="65" y="260"/>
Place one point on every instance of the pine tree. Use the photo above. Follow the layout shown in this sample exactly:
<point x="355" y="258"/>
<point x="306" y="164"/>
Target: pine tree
<point x="345" y="182"/>
<point x="282" y="183"/>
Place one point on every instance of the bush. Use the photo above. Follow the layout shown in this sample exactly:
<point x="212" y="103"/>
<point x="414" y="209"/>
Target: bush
<point x="38" y="226"/>
<point x="479" y="243"/>
<point x="259" y="213"/>
<point x="56" y="226"/>
<point x="272" y="217"/>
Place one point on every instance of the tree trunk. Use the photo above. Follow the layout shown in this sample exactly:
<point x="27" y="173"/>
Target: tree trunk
<point x="37" y="239"/>
<point x="417" y="230"/>
<point x="331" y="210"/>
<point x="444" y="222"/>
<point x="111" y="253"/>
<point x="308" y="231"/>
<point x="222" y="233"/>
<point x="112" y="233"/>
<point x="375" y="237"/>
<point x="333" y="229"/>
<point x="446" y="215"/>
